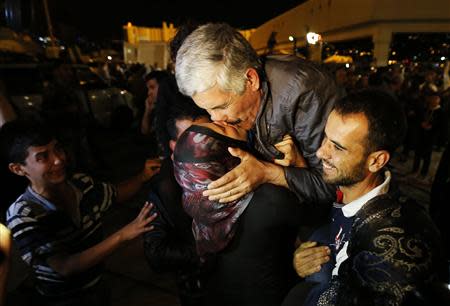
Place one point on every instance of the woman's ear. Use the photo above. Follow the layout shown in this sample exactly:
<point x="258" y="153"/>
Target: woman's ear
<point x="172" y="144"/>
<point x="253" y="79"/>
<point x="377" y="160"/>
<point x="17" y="168"/>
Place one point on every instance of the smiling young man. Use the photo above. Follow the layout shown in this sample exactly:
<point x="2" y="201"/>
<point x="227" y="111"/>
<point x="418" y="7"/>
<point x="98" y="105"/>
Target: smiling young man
<point x="56" y="222"/>
<point x="285" y="95"/>
<point x="383" y="246"/>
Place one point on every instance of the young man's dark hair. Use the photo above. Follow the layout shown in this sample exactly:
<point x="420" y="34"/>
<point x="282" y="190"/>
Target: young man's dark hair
<point x="18" y="135"/>
<point x="385" y="115"/>
<point x="184" y="108"/>
<point x="170" y="106"/>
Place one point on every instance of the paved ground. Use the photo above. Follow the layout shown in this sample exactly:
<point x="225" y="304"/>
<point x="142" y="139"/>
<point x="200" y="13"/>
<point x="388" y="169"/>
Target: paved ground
<point x="132" y="282"/>
<point x="412" y="185"/>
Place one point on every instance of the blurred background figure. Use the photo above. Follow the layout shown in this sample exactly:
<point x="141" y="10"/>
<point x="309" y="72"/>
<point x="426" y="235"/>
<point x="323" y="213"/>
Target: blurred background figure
<point x="430" y="124"/>
<point x="152" y="81"/>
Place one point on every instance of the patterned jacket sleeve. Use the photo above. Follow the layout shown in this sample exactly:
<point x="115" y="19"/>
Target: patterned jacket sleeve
<point x="392" y="251"/>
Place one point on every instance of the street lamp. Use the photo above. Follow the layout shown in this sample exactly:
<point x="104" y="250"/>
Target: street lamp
<point x="314" y="46"/>
<point x="312" y="38"/>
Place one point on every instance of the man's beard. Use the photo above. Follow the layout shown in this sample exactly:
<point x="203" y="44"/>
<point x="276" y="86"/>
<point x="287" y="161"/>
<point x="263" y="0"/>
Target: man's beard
<point x="347" y="179"/>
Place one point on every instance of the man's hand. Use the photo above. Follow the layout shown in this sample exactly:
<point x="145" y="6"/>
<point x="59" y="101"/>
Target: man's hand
<point x="247" y="176"/>
<point x="128" y="188"/>
<point x="446" y="66"/>
<point x="149" y="104"/>
<point x="151" y="167"/>
<point x="292" y="156"/>
<point x="140" y="224"/>
<point x="309" y="258"/>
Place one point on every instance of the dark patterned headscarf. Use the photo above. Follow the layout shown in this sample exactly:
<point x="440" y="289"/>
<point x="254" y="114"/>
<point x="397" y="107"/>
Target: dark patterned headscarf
<point x="201" y="156"/>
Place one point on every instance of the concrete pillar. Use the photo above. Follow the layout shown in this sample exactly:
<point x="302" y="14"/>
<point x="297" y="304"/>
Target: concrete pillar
<point x="382" y="42"/>
<point x="315" y="52"/>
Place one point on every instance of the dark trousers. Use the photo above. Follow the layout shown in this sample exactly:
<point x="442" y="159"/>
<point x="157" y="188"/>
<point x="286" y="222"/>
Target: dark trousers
<point x="422" y="153"/>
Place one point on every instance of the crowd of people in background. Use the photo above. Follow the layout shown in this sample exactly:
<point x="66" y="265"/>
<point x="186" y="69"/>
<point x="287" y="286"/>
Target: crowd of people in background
<point x="268" y="180"/>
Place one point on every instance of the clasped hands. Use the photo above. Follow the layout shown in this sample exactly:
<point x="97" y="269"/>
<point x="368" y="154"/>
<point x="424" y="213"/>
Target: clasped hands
<point x="251" y="172"/>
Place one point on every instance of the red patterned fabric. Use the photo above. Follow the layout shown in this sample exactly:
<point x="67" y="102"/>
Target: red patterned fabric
<point x="201" y="156"/>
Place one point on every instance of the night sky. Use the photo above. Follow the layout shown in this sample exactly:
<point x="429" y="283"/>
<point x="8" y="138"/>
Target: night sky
<point x="104" y="19"/>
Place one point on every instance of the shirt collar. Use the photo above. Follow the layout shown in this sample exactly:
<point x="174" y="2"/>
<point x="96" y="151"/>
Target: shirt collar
<point x="350" y="209"/>
<point x="43" y="201"/>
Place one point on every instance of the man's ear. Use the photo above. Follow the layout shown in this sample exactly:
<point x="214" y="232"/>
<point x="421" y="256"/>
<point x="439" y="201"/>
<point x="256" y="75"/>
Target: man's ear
<point x="17" y="168"/>
<point x="377" y="160"/>
<point x="253" y="79"/>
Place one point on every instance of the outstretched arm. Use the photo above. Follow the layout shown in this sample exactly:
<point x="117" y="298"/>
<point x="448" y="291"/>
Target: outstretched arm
<point x="128" y="188"/>
<point x="251" y="173"/>
<point x="67" y="265"/>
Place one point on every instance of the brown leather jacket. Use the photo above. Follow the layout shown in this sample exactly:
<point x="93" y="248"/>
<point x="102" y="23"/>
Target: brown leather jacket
<point x="298" y="96"/>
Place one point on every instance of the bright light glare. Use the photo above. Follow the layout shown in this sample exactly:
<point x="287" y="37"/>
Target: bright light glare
<point x="312" y="38"/>
<point x="291" y="38"/>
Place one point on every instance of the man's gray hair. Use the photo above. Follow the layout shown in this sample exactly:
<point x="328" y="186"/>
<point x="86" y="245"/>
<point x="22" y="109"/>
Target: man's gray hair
<point x="214" y="54"/>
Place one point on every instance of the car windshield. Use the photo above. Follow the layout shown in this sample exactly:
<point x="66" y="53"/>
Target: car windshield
<point x="89" y="79"/>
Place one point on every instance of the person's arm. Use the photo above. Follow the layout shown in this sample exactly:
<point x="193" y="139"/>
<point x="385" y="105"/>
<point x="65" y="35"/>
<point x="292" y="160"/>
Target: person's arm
<point x="5" y="253"/>
<point x="446" y="76"/>
<point x="313" y="107"/>
<point x="166" y="250"/>
<point x="68" y="265"/>
<point x="146" y="123"/>
<point x="251" y="173"/>
<point x="7" y="113"/>
<point x="128" y="188"/>
<point x="309" y="186"/>
<point x="244" y="178"/>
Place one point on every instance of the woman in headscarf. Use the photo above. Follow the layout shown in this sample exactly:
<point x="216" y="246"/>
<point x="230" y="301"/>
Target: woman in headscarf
<point x="248" y="242"/>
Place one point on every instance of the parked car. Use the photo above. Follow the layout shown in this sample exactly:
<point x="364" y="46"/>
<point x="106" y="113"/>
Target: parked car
<point x="26" y="84"/>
